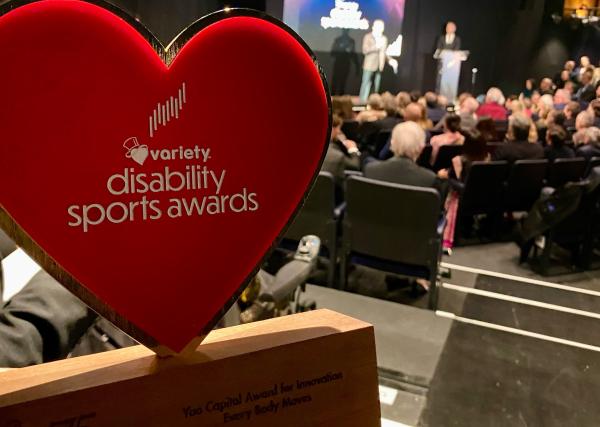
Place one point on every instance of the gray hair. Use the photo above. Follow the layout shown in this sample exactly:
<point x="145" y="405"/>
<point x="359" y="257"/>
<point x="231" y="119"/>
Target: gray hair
<point x="592" y="136"/>
<point x="408" y="140"/>
<point x="495" y="95"/>
<point x="586" y="118"/>
<point x="518" y="126"/>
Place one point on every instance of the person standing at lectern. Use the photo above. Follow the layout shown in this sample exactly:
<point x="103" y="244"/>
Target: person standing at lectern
<point x="374" y="46"/>
<point x="450" y="40"/>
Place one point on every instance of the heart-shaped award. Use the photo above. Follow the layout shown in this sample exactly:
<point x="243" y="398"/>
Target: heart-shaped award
<point x="153" y="181"/>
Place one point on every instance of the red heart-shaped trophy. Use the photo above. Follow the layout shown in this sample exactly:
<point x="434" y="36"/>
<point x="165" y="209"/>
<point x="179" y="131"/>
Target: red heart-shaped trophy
<point x="154" y="190"/>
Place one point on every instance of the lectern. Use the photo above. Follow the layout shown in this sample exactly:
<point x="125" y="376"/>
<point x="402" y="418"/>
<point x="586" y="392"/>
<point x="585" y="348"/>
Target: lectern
<point x="449" y="62"/>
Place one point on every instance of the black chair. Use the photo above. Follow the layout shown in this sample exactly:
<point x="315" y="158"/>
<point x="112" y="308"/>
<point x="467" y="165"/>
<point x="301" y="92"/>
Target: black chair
<point x="562" y="171"/>
<point x="480" y="194"/>
<point x="381" y="139"/>
<point x="350" y="129"/>
<point x="392" y="227"/>
<point x="425" y="157"/>
<point x="445" y="155"/>
<point x="501" y="129"/>
<point x="524" y="184"/>
<point x="592" y="163"/>
<point x="318" y="216"/>
<point x="492" y="146"/>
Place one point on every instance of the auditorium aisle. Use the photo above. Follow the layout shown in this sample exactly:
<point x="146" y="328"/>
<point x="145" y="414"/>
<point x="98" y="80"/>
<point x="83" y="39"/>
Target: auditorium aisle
<point x="506" y="347"/>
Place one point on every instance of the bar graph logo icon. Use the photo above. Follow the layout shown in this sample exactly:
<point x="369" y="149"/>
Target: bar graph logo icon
<point x="167" y="111"/>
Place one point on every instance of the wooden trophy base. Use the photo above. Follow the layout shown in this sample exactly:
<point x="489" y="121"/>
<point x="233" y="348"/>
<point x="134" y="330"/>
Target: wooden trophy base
<point x="311" y="369"/>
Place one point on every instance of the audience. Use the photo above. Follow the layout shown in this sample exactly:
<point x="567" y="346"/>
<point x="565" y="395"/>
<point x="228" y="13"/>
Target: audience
<point x="583" y="121"/>
<point x="374" y="109"/>
<point x="474" y="150"/>
<point x="594" y="109"/>
<point x="587" y="91"/>
<point x="402" y="101"/>
<point x="342" y="154"/>
<point x="561" y="98"/>
<point x="408" y="141"/>
<point x="434" y="111"/>
<point x="423" y="120"/>
<point x="518" y="146"/>
<point x="451" y="136"/>
<point x="493" y="107"/>
<point x="487" y="129"/>
<point x="571" y="110"/>
<point x="556" y="148"/>
<point x="590" y="144"/>
<point x="529" y="89"/>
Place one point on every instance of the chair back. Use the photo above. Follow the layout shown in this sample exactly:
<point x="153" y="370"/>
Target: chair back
<point x="592" y="163"/>
<point x="425" y="157"/>
<point x="562" y="171"/>
<point x="445" y="155"/>
<point x="524" y="185"/>
<point x="483" y="187"/>
<point x="317" y="215"/>
<point x="380" y="140"/>
<point x="392" y="222"/>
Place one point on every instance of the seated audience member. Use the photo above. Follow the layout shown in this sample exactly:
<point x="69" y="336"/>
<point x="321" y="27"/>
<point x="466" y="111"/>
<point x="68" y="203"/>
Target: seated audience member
<point x="546" y="86"/>
<point x="518" y="146"/>
<point x="374" y="109"/>
<point x="451" y="136"/>
<point x="590" y="143"/>
<point x="442" y="102"/>
<point x="415" y="95"/>
<point x="594" y="109"/>
<point x="391" y="110"/>
<point x="342" y="106"/>
<point x="474" y="150"/>
<point x="412" y="113"/>
<point x="570" y="67"/>
<point x="556" y="117"/>
<point x="494" y="105"/>
<point x="467" y="108"/>
<point x="408" y="140"/>
<point x="468" y="113"/>
<point x="527" y="107"/>
<point x="587" y="91"/>
<point x="402" y="101"/>
<point x="508" y="102"/>
<point x="561" y="99"/>
<point x="342" y="154"/>
<point x="562" y="78"/>
<point x="556" y="148"/>
<point x="424" y="121"/>
<point x="584" y="64"/>
<point x="487" y="129"/>
<point x="434" y="111"/>
<point x="571" y="88"/>
<point x="571" y="110"/>
<point x="529" y="88"/>
<point x="583" y="121"/>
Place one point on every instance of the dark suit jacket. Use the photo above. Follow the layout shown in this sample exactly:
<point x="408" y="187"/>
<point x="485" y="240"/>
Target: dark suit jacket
<point x="401" y="170"/>
<point x="586" y="93"/>
<point x="518" y="150"/>
<point x="441" y="43"/>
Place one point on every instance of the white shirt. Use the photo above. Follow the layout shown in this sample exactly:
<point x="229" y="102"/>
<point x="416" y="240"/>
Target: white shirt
<point x="449" y="38"/>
